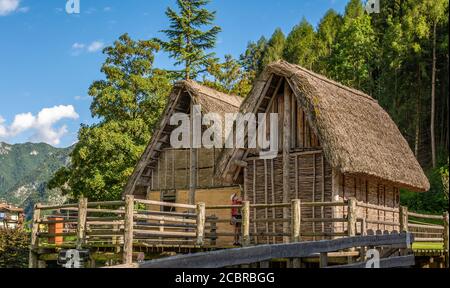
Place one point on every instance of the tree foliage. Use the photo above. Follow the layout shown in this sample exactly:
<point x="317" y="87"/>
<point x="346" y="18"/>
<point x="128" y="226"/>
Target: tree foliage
<point x="14" y="248"/>
<point x="127" y="103"/>
<point x="187" y="42"/>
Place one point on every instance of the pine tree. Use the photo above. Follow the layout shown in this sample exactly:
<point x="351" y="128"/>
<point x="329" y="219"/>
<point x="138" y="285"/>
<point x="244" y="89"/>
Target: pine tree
<point x="327" y="31"/>
<point x="299" y="47"/>
<point x="187" y="42"/>
<point x="274" y="48"/>
<point x="251" y="59"/>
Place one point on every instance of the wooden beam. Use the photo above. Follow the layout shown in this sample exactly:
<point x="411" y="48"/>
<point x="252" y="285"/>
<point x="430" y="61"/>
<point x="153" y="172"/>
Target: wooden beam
<point x="128" y="234"/>
<point x="193" y="158"/>
<point x="286" y="151"/>
<point x="201" y="217"/>
<point x="81" y="226"/>
<point x="446" y="239"/>
<point x="296" y="220"/>
<point x="245" y="223"/>
<point x="33" y="260"/>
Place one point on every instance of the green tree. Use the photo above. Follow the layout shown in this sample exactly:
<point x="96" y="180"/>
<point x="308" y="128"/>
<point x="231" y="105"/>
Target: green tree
<point x="228" y="77"/>
<point x="355" y="50"/>
<point x="251" y="59"/>
<point x="327" y="31"/>
<point x="274" y="48"/>
<point x="187" y="42"/>
<point x="127" y="104"/>
<point x="299" y="47"/>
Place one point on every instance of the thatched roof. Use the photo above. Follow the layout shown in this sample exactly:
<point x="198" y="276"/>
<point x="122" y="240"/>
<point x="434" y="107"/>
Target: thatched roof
<point x="357" y="135"/>
<point x="211" y="101"/>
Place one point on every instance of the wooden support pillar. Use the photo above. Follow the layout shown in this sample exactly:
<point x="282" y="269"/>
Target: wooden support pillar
<point x="351" y="217"/>
<point x="245" y="223"/>
<point x="286" y="152"/>
<point x="296" y="215"/>
<point x="33" y="258"/>
<point x="81" y="225"/>
<point x="403" y="217"/>
<point x="323" y="259"/>
<point x="193" y="151"/>
<point x="128" y="231"/>
<point x="446" y="239"/>
<point x="201" y="214"/>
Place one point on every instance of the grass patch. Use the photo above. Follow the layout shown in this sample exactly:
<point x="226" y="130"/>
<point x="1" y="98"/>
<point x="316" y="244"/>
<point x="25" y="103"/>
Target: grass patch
<point x="428" y="246"/>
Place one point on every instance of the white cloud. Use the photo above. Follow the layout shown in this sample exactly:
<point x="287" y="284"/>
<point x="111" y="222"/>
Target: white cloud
<point x="42" y="125"/>
<point x="78" y="48"/>
<point x="8" y="6"/>
<point x="95" y="46"/>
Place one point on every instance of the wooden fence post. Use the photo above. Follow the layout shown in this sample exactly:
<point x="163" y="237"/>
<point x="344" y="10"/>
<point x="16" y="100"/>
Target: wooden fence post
<point x="81" y="225"/>
<point x="33" y="258"/>
<point x="245" y="223"/>
<point x="403" y="217"/>
<point x="201" y="217"/>
<point x="295" y="220"/>
<point x="446" y="239"/>
<point x="351" y="217"/>
<point x="128" y="230"/>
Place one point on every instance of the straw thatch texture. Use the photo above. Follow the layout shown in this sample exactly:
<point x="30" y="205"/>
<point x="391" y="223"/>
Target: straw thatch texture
<point x="357" y="135"/>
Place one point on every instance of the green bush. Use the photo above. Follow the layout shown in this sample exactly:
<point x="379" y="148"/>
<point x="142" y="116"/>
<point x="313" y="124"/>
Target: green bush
<point x="14" y="248"/>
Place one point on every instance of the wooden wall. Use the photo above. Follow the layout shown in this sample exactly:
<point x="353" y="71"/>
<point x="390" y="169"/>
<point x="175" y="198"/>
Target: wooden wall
<point x="310" y="181"/>
<point x="302" y="136"/>
<point x="172" y="170"/>
<point x="371" y="191"/>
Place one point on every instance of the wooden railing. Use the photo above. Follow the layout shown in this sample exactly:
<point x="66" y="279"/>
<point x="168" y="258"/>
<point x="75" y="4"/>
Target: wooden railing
<point x="261" y="254"/>
<point x="134" y="222"/>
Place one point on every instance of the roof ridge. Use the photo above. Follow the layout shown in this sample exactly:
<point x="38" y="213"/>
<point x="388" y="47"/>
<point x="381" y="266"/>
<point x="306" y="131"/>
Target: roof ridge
<point x="329" y="81"/>
<point x="192" y="83"/>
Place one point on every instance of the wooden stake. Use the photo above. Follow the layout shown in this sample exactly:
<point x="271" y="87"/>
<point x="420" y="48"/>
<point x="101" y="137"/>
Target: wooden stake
<point x="286" y="151"/>
<point x="245" y="223"/>
<point x="200" y="223"/>
<point x="403" y="219"/>
<point x="81" y="227"/>
<point x="295" y="220"/>
<point x="128" y="234"/>
<point x="33" y="258"/>
<point x="351" y="217"/>
<point x="446" y="239"/>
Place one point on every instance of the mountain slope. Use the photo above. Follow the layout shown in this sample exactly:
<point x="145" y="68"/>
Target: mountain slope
<point x="25" y="170"/>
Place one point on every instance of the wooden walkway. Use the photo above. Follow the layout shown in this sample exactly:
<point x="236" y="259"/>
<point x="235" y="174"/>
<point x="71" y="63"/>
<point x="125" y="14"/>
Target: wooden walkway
<point x="135" y="230"/>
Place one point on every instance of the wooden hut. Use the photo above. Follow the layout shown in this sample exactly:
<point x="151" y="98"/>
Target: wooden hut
<point x="335" y="143"/>
<point x="185" y="175"/>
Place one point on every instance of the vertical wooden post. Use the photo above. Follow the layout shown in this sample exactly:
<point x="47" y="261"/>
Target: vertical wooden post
<point x="193" y="156"/>
<point x="351" y="217"/>
<point x="403" y="217"/>
<point x="286" y="152"/>
<point x="446" y="239"/>
<point x="245" y="223"/>
<point x="81" y="225"/>
<point x="201" y="214"/>
<point x="128" y="230"/>
<point x="33" y="258"/>
<point x="323" y="259"/>
<point x="295" y="220"/>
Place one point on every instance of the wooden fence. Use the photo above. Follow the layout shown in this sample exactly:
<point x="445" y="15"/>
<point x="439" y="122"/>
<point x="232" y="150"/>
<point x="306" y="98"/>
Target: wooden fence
<point x="135" y="222"/>
<point x="261" y="254"/>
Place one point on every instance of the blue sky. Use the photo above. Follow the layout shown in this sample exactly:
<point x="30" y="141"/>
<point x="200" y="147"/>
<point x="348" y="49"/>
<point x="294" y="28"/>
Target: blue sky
<point x="49" y="58"/>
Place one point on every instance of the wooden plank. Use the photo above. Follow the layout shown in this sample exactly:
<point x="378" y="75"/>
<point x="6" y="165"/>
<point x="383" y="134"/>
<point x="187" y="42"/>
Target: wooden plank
<point x="166" y="204"/>
<point x="296" y="219"/>
<point x="164" y="218"/>
<point x="272" y="182"/>
<point x="193" y="159"/>
<point x="322" y="209"/>
<point x="200" y="232"/>
<point x="418" y="215"/>
<point x="33" y="258"/>
<point x="128" y="234"/>
<point x="260" y="253"/>
<point x="392" y="262"/>
<point x="314" y="195"/>
<point x="446" y="239"/>
<point x="351" y="216"/>
<point x="81" y="227"/>
<point x="323" y="259"/>
<point x="286" y="151"/>
<point x="403" y="219"/>
<point x="245" y="223"/>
